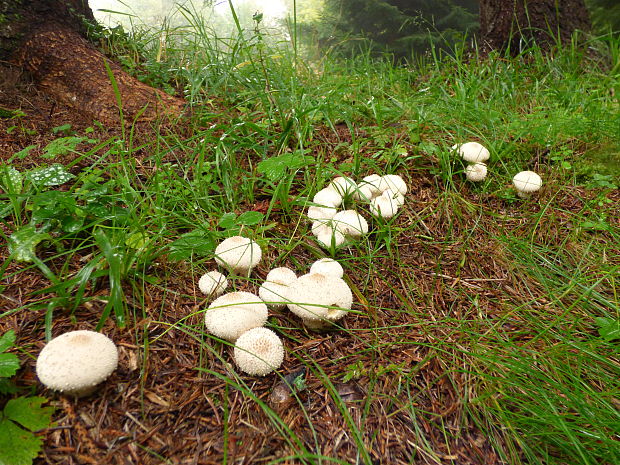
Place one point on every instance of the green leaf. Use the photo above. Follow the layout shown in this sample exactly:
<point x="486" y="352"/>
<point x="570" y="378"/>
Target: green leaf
<point x="53" y="175"/>
<point x="227" y="221"/>
<point x="17" y="446"/>
<point x="61" y="146"/>
<point x="608" y="328"/>
<point x="12" y="180"/>
<point x="9" y="364"/>
<point x="23" y="242"/>
<point x="24" y="152"/>
<point x="197" y="243"/>
<point x="250" y="218"/>
<point x="28" y="412"/>
<point x="61" y="128"/>
<point x="276" y="167"/>
<point x="7" y="340"/>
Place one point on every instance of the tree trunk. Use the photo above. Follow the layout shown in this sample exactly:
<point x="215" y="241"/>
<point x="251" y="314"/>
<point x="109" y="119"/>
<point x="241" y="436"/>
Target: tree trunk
<point x="518" y="24"/>
<point x="47" y="39"/>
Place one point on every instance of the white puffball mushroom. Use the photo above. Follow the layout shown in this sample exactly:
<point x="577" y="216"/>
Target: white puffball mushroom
<point x="526" y="183"/>
<point x="472" y="152"/>
<point x="321" y="227"/>
<point x="315" y="296"/>
<point x="258" y="352"/>
<point x="238" y="254"/>
<point x="343" y="185"/>
<point x="384" y="206"/>
<point x="321" y="213"/>
<point x="234" y="313"/>
<point x="350" y="223"/>
<point x="274" y="290"/>
<point x="327" y="198"/>
<point x="393" y="182"/>
<point x="327" y="267"/>
<point x="330" y="236"/>
<point x="394" y="196"/>
<point x="476" y="172"/>
<point x="76" y="362"/>
<point x="212" y="283"/>
<point x="368" y="188"/>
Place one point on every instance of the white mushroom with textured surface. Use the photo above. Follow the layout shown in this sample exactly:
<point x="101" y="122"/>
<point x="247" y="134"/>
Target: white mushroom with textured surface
<point x="76" y="362"/>
<point x="258" y="352"/>
<point x="392" y="182"/>
<point x="327" y="198"/>
<point x="476" y="172"/>
<point x="368" y="188"/>
<point x="350" y="223"/>
<point x="472" y="152"/>
<point x="526" y="183"/>
<point x="232" y="314"/>
<point x="321" y="213"/>
<point x="238" y="254"/>
<point x="316" y="297"/>
<point x="384" y="206"/>
<point x="212" y="283"/>
<point x="343" y="185"/>
<point x="274" y="290"/>
<point x="327" y="267"/>
<point x="330" y="236"/>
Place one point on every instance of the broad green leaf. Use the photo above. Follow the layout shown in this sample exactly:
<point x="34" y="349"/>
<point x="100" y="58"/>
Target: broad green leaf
<point x="7" y="340"/>
<point x="196" y="243"/>
<point x="28" y="412"/>
<point x="250" y="218"/>
<point x="61" y="146"/>
<point x="608" y="328"/>
<point x="24" y="152"/>
<point x="276" y="167"/>
<point x="17" y="446"/>
<point x="53" y="175"/>
<point x="23" y="242"/>
<point x="227" y="221"/>
<point x="12" y="180"/>
<point x="9" y="364"/>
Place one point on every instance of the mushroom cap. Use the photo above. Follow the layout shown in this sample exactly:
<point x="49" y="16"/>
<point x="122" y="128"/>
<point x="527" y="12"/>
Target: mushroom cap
<point x="239" y="254"/>
<point x="212" y="283"/>
<point x="368" y="188"/>
<point x="394" y="196"/>
<point x="316" y="296"/>
<point x="476" y="172"/>
<point x="472" y="152"/>
<point x="258" y="352"/>
<point x="330" y="234"/>
<point x="234" y="313"/>
<point x="75" y="362"/>
<point x="393" y="182"/>
<point x="321" y="213"/>
<point x="327" y="198"/>
<point x="327" y="267"/>
<point x="385" y="207"/>
<point x="343" y="185"/>
<point x="322" y="227"/>
<point x="275" y="289"/>
<point x="527" y="182"/>
<point x="350" y="223"/>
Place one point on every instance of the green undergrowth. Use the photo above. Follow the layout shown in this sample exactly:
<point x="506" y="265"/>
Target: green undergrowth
<point x="534" y="362"/>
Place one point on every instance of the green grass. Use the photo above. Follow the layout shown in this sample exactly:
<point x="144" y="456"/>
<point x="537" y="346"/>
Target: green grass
<point x="516" y="341"/>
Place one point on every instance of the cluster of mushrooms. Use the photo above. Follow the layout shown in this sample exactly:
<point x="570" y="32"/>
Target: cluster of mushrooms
<point x="475" y="154"/>
<point x="384" y="194"/>
<point x="318" y="298"/>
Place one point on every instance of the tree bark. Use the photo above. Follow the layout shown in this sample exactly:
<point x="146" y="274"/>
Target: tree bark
<point x="518" y="24"/>
<point x="47" y="38"/>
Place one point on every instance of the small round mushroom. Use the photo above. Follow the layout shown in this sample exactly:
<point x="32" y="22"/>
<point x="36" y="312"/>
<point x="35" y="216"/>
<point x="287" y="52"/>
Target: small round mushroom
<point x="330" y="236"/>
<point x="384" y="206"/>
<point x="476" y="172"/>
<point x="238" y="254"/>
<point x="76" y="362"/>
<point x="368" y="188"/>
<point x="350" y="223"/>
<point x="394" y="196"/>
<point x="343" y="185"/>
<point x="258" y="352"/>
<point x="472" y="152"/>
<point x="327" y="198"/>
<point x="212" y="283"/>
<point x="315" y="296"/>
<point x="274" y="290"/>
<point x="234" y="313"/>
<point x="393" y="182"/>
<point x="321" y="213"/>
<point x="526" y="183"/>
<point x="327" y="267"/>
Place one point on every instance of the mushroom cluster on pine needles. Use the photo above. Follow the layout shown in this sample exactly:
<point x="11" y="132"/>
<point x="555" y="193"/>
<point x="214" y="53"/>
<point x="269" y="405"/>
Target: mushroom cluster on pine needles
<point x="384" y="194"/>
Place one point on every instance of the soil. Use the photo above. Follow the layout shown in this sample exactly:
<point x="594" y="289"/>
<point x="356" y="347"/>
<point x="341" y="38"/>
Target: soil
<point x="179" y="403"/>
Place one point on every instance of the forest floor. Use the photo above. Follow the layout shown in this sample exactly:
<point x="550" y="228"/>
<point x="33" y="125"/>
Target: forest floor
<point x="472" y="338"/>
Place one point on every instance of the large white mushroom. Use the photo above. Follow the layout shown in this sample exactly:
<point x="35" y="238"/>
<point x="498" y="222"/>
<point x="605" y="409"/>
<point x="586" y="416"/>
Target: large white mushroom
<point x="238" y="254"/>
<point x="234" y="313"/>
<point x="76" y="362"/>
<point x="526" y="183"/>
<point x="350" y="223"/>
<point x="330" y="236"/>
<point x="368" y="188"/>
<point x="343" y="185"/>
<point x="321" y="213"/>
<point x="327" y="267"/>
<point x="274" y="290"/>
<point x="384" y="206"/>
<point x="476" y="172"/>
<point x="212" y="283"/>
<point x="392" y="182"/>
<point x="316" y="297"/>
<point x="327" y="198"/>
<point x="472" y="152"/>
<point x="258" y="352"/>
